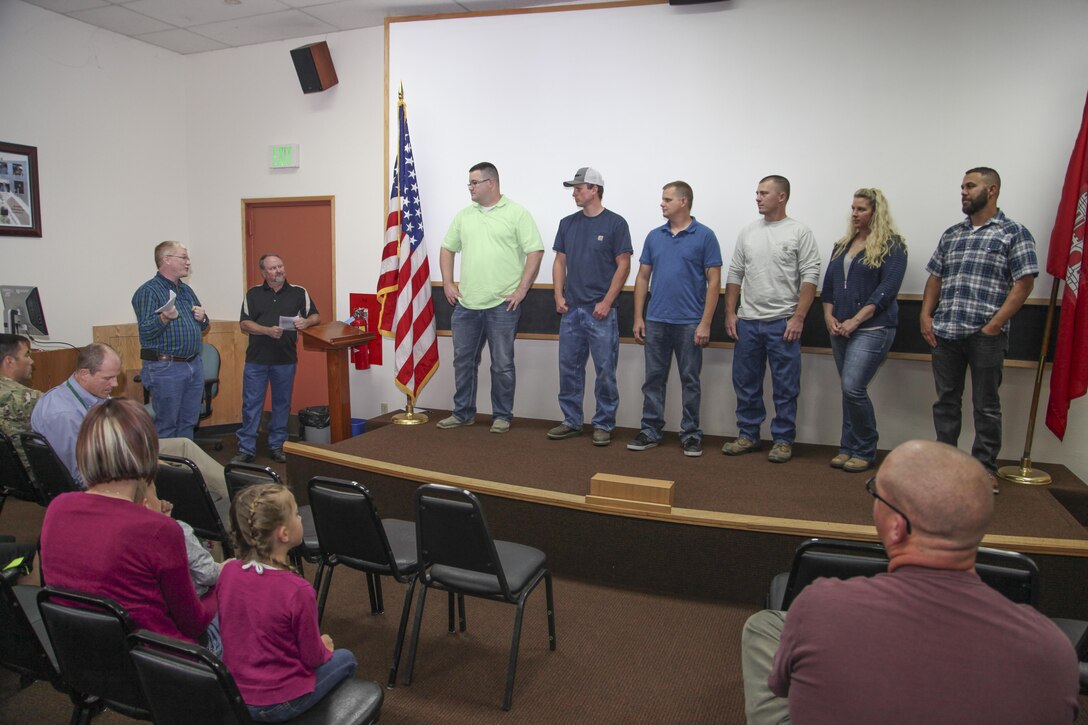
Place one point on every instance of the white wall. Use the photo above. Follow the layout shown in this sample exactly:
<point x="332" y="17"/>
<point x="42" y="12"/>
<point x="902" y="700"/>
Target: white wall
<point x="107" y="115"/>
<point x="181" y="140"/>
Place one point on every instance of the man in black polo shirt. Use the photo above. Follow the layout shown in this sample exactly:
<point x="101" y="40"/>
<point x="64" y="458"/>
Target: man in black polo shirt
<point x="272" y="313"/>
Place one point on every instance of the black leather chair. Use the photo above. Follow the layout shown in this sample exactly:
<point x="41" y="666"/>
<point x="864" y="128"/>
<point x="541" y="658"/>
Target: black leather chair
<point x="1013" y="574"/>
<point x="351" y="532"/>
<point x="50" y="473"/>
<point x="186" y="683"/>
<point x="24" y="644"/>
<point x="14" y="478"/>
<point x="817" y="558"/>
<point x="90" y="643"/>
<point x="242" y="475"/>
<point x="179" y="481"/>
<point x="457" y="554"/>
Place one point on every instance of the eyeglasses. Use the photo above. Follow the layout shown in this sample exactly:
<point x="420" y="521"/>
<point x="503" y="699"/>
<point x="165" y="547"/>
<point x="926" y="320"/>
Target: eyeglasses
<point x="474" y="184"/>
<point x="870" y="486"/>
<point x="179" y="256"/>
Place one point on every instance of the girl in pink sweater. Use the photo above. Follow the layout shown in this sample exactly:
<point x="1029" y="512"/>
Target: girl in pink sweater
<point x="272" y="645"/>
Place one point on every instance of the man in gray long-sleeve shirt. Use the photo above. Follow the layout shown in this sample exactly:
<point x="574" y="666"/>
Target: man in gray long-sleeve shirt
<point x="777" y="264"/>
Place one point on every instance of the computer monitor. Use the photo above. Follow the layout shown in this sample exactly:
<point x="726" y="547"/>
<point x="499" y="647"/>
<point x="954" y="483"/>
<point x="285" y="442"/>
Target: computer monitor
<point x="23" y="310"/>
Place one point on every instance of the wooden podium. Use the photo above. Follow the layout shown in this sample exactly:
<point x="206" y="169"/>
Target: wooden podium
<point x="335" y="339"/>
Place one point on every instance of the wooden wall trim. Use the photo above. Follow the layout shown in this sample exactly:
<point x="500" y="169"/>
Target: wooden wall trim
<point x="227" y="337"/>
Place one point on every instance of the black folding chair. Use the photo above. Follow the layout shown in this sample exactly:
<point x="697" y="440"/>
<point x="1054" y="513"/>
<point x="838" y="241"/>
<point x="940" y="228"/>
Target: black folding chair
<point x="830" y="558"/>
<point x="185" y="683"/>
<point x="50" y="473"/>
<point x="14" y="479"/>
<point x="24" y="644"/>
<point x="89" y="637"/>
<point x="1013" y="574"/>
<point x="351" y="532"/>
<point x="457" y="554"/>
<point x="180" y="482"/>
<point x="243" y="475"/>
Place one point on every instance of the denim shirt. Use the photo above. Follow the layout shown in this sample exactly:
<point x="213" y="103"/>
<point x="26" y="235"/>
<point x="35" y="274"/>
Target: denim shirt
<point x="865" y="285"/>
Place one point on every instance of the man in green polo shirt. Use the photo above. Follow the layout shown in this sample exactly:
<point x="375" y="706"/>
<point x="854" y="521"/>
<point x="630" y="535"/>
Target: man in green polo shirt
<point x="501" y="250"/>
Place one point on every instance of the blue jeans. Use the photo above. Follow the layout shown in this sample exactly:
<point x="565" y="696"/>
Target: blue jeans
<point x="985" y="355"/>
<point x="663" y="340"/>
<point x="177" y="389"/>
<point x="581" y="335"/>
<point x="758" y="343"/>
<point x="329" y="675"/>
<point x="255" y="380"/>
<point x="471" y="329"/>
<point x="857" y="357"/>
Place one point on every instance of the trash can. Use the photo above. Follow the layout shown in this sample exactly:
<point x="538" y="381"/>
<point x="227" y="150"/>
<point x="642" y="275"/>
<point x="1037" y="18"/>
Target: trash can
<point x="314" y="424"/>
<point x="358" y="426"/>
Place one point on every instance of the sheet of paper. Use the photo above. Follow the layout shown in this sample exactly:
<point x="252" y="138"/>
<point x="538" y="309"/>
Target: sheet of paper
<point x="288" y="323"/>
<point x="169" y="304"/>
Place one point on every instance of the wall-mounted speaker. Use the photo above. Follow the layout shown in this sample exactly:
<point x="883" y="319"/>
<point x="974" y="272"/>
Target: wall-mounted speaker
<point x="313" y="63"/>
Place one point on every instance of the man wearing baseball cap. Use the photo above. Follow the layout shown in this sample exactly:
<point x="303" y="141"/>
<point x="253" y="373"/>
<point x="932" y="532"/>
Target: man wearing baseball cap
<point x="592" y="259"/>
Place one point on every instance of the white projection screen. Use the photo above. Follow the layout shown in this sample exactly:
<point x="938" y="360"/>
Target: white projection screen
<point x="835" y="95"/>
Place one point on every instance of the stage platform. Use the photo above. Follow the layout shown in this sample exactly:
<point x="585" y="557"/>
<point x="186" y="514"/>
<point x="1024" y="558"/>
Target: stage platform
<point x="733" y="524"/>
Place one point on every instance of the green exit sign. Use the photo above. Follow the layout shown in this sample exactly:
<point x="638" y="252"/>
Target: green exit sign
<point x="283" y="156"/>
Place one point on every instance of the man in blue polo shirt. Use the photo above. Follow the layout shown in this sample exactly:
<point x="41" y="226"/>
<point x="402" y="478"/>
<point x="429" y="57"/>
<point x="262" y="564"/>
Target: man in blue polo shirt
<point x="979" y="276"/>
<point x="680" y="267"/>
<point x="592" y="259"/>
<point x="170" y="342"/>
<point x="272" y="314"/>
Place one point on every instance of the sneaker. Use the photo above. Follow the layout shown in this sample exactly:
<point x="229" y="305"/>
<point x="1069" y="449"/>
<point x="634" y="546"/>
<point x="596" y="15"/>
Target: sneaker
<point x="993" y="482"/>
<point x="278" y="455"/>
<point x="601" y="437"/>
<point x="562" y="432"/>
<point x="641" y="443"/>
<point x="780" y="453"/>
<point x="454" y="422"/>
<point x="242" y="457"/>
<point x="839" y="460"/>
<point x="739" y="446"/>
<point x="693" y="447"/>
<point x="500" y="425"/>
<point x="856" y="465"/>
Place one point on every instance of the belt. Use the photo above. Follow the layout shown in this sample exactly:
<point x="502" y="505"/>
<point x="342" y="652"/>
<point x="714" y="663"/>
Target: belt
<point x="153" y="356"/>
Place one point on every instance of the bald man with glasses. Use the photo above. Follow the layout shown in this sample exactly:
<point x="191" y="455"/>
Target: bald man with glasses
<point x="926" y="642"/>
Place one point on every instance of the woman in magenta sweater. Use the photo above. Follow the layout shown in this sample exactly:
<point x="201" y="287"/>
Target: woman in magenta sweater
<point x="104" y="541"/>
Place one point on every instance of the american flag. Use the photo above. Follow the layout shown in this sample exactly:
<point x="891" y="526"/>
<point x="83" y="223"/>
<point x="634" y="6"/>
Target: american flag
<point x="404" y="281"/>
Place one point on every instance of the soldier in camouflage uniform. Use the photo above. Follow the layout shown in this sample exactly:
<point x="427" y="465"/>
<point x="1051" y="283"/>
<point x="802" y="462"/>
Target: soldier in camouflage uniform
<point x="16" y="399"/>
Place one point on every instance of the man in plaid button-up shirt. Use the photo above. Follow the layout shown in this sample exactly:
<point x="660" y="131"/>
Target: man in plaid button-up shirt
<point x="979" y="276"/>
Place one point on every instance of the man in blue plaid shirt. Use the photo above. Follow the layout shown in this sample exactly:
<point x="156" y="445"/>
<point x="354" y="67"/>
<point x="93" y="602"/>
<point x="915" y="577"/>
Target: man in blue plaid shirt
<point x="979" y="276"/>
<point x="170" y="342"/>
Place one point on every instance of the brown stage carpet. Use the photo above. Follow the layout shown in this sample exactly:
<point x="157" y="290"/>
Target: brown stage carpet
<point x="803" y="490"/>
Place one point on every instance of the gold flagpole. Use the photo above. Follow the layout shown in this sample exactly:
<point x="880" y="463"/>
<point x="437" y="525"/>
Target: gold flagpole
<point x="1024" y="473"/>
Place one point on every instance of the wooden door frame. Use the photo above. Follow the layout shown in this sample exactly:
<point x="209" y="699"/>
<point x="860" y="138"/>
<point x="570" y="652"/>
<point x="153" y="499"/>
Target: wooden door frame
<point x="291" y="201"/>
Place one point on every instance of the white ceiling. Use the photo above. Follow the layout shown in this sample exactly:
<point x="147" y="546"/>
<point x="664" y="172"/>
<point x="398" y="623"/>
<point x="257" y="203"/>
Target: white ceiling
<point x="196" y="26"/>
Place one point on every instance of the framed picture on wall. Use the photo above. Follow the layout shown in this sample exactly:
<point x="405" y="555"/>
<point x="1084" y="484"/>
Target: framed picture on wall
<point x="20" y="208"/>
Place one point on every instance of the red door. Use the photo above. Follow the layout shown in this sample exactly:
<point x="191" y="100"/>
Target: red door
<point x="300" y="231"/>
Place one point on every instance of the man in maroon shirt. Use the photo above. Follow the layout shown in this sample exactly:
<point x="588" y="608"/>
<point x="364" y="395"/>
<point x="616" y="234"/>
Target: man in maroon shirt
<point x="926" y="642"/>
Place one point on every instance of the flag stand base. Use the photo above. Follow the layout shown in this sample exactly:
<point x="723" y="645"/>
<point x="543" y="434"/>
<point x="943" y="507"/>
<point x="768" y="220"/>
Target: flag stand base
<point x="1024" y="474"/>
<point x="410" y="418"/>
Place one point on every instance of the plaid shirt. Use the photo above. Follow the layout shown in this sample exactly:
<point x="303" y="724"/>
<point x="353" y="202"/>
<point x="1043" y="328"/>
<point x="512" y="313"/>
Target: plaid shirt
<point x="180" y="337"/>
<point x="977" y="268"/>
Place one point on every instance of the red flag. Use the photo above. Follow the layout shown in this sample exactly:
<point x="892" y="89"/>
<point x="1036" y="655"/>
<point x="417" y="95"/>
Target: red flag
<point x="1069" y="376"/>
<point x="404" y="282"/>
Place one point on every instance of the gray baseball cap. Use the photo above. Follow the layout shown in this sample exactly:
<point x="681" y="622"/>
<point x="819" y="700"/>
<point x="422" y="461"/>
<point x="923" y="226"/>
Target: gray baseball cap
<point x="586" y="175"/>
